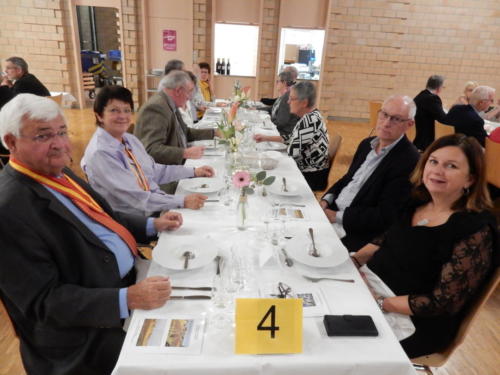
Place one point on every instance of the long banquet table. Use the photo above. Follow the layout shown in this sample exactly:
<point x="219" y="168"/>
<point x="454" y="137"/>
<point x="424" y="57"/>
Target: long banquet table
<point x="214" y="226"/>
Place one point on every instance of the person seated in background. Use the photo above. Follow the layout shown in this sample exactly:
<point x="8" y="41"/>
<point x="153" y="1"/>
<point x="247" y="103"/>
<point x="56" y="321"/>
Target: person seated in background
<point x="118" y="167"/>
<point x="19" y="80"/>
<point x="492" y="113"/>
<point x="464" y="99"/>
<point x="365" y="201"/>
<point x="160" y="126"/>
<point x="205" y="85"/>
<point x="441" y="250"/>
<point x="429" y="110"/>
<point x="294" y="72"/>
<point x="67" y="259"/>
<point x="308" y="142"/>
<point x="173" y="64"/>
<point x="281" y="116"/>
<point x="465" y="118"/>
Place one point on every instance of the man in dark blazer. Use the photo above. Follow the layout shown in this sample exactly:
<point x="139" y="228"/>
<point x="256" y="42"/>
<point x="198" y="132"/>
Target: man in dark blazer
<point x="67" y="280"/>
<point x="365" y="201"/>
<point x="24" y="82"/>
<point x="160" y="127"/>
<point x="429" y="110"/>
<point x="465" y="118"/>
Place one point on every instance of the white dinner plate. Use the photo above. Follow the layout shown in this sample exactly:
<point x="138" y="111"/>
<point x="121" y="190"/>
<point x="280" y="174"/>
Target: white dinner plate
<point x="330" y="256"/>
<point x="293" y="187"/>
<point x="174" y="260"/>
<point x="272" y="154"/>
<point x="203" y="185"/>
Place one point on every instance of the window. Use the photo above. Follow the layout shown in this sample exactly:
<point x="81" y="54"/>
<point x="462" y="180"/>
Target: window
<point x="302" y="48"/>
<point x="239" y="44"/>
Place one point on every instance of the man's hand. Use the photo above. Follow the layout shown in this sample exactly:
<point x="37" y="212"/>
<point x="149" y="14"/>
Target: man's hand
<point x="168" y="221"/>
<point x="204" y="171"/>
<point x="195" y="152"/>
<point x="331" y="215"/>
<point x="323" y="204"/>
<point x="194" y="201"/>
<point x="5" y="81"/>
<point x="149" y="293"/>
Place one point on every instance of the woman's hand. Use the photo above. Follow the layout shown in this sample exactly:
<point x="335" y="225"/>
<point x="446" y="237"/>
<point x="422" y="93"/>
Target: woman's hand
<point x="260" y="138"/>
<point x="195" y="152"/>
<point x="204" y="171"/>
<point x="168" y="221"/>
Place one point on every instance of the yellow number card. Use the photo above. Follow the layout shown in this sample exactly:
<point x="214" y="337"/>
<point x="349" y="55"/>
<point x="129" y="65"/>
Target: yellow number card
<point x="268" y="325"/>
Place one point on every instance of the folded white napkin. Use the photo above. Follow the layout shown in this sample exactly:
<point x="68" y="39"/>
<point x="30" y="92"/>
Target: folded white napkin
<point x="401" y="325"/>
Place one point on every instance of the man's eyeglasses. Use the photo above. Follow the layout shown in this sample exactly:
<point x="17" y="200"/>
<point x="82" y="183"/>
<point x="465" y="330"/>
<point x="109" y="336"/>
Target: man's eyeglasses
<point x="382" y="115"/>
<point x="46" y="137"/>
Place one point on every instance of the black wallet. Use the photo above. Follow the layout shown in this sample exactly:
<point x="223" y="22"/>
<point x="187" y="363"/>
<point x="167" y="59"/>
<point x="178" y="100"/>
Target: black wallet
<point x="350" y="325"/>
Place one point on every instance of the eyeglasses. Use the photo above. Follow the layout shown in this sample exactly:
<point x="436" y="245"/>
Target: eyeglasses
<point x="382" y="115"/>
<point x="46" y="137"/>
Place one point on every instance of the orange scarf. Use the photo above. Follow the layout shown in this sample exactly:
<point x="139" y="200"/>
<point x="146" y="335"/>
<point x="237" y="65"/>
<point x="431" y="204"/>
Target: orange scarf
<point x="70" y="188"/>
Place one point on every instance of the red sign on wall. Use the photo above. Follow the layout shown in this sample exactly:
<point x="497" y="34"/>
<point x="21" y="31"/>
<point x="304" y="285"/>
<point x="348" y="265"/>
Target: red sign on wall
<point x="170" y="40"/>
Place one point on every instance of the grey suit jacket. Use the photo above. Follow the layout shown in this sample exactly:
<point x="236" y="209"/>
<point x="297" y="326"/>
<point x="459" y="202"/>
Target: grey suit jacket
<point x="160" y="130"/>
<point x="59" y="282"/>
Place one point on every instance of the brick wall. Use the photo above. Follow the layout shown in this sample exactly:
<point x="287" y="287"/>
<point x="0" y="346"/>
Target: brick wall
<point x="132" y="40"/>
<point x="377" y="48"/>
<point x="35" y="31"/>
<point x="202" y="31"/>
<point x="268" y="48"/>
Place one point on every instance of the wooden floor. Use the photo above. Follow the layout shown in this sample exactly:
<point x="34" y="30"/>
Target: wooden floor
<point x="479" y="355"/>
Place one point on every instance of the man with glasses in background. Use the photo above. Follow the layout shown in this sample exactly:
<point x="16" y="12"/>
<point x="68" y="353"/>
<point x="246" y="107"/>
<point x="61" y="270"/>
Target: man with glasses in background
<point x="365" y="201"/>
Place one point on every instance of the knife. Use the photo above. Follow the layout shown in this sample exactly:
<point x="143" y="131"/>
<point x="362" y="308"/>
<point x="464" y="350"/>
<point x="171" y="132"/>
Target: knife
<point x="218" y="260"/>
<point x="191" y="297"/>
<point x="206" y="288"/>
<point x="288" y="260"/>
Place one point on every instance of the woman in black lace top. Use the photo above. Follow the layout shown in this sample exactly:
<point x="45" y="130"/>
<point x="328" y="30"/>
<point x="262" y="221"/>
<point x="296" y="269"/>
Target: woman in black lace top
<point x="440" y="252"/>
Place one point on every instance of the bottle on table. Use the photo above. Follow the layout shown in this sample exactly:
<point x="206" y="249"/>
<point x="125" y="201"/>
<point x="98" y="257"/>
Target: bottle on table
<point x="223" y="67"/>
<point x="217" y="66"/>
<point x="228" y="68"/>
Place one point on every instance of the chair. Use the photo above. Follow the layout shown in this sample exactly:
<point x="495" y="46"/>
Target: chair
<point x="56" y="98"/>
<point x="492" y="155"/>
<point x="333" y="149"/>
<point x="424" y="363"/>
<point x="89" y="84"/>
<point x="442" y="129"/>
<point x="374" y="106"/>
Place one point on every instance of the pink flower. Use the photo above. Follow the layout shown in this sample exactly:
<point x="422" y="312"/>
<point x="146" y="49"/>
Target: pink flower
<point x="241" y="179"/>
<point x="246" y="90"/>
<point x="233" y="111"/>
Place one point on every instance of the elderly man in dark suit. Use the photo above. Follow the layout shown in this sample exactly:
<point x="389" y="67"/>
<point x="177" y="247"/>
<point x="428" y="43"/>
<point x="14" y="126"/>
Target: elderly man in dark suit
<point x="466" y="119"/>
<point x="66" y="259"/>
<point x="429" y="110"/>
<point x="365" y="201"/>
<point x="160" y="127"/>
<point x="20" y="80"/>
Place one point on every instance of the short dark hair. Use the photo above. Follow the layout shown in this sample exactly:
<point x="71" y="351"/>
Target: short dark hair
<point x="20" y="62"/>
<point x="478" y="198"/>
<point x="192" y="76"/>
<point x="108" y="93"/>
<point x="204" y="65"/>
<point x="173" y="65"/>
<point x="434" y="82"/>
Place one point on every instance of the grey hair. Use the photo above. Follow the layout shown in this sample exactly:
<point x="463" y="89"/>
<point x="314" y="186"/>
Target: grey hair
<point x="470" y="84"/>
<point x="305" y="91"/>
<point x="173" y="80"/>
<point x="173" y="65"/>
<point x="286" y="76"/>
<point x="434" y="82"/>
<point x="481" y="93"/>
<point x="26" y="106"/>
<point x="20" y="62"/>
<point x="407" y="101"/>
<point x="293" y="70"/>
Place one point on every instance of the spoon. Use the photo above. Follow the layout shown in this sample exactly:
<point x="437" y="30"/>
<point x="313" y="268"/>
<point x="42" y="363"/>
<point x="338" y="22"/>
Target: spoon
<point x="314" y="251"/>
<point x="187" y="255"/>
<point x="284" y="185"/>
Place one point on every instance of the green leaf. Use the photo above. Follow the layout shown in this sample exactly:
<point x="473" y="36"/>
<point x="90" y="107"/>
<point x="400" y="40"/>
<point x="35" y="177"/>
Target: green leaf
<point x="248" y="190"/>
<point x="269" y="180"/>
<point x="260" y="176"/>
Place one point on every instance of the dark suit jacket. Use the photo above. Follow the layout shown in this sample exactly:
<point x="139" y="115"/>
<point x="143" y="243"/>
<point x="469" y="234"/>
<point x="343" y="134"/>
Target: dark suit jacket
<point x="29" y="84"/>
<point x="58" y="281"/>
<point x="377" y="203"/>
<point x="158" y="129"/>
<point x="429" y="109"/>
<point x="465" y="120"/>
<point x="281" y="116"/>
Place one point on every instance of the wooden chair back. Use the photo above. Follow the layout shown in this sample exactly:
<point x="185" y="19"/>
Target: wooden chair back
<point x="442" y="129"/>
<point x="439" y="359"/>
<point x="492" y="156"/>
<point x="374" y="106"/>
<point x="333" y="149"/>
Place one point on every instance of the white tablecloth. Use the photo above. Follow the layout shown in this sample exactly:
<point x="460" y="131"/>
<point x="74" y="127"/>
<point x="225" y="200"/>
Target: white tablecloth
<point x="215" y="224"/>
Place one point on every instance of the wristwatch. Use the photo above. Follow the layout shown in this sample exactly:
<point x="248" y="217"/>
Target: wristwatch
<point x="380" y="303"/>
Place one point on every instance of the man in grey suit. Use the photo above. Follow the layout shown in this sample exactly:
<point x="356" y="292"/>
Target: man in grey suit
<point x="160" y="127"/>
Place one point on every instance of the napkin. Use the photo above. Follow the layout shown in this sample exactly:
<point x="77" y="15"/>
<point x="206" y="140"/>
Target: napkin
<point x="401" y="325"/>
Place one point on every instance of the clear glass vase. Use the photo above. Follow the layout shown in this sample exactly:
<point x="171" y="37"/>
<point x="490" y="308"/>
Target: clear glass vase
<point x="242" y="213"/>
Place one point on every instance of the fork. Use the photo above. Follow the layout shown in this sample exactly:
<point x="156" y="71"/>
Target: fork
<point x="283" y="188"/>
<point x="316" y="279"/>
<point x="314" y="251"/>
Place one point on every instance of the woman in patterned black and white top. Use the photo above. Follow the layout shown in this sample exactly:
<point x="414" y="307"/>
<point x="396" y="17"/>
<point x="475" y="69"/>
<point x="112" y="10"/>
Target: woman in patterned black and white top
<point x="308" y="142"/>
